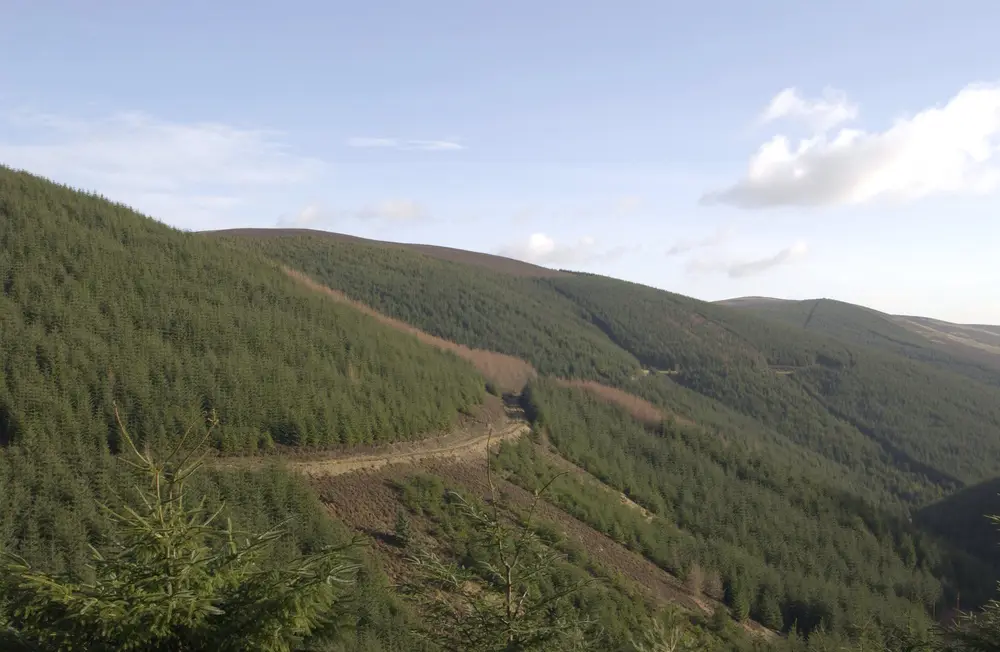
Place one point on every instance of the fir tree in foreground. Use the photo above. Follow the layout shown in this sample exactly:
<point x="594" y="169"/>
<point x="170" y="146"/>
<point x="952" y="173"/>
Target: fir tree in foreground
<point x="175" y="578"/>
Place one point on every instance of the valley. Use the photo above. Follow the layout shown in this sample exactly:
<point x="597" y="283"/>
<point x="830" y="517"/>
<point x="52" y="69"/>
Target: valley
<point x="759" y="474"/>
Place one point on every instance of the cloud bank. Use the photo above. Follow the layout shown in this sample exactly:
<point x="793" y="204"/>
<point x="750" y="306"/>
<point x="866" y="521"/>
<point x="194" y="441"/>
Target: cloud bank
<point x="396" y="143"/>
<point x="541" y="249"/>
<point x="720" y="236"/>
<point x="943" y="149"/>
<point x="396" y="210"/>
<point x="745" y="268"/>
<point x="186" y="173"/>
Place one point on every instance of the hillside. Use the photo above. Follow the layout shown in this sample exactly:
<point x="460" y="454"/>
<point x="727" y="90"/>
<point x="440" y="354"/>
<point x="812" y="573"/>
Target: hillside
<point x="103" y="306"/>
<point x="490" y="262"/>
<point x="806" y="413"/>
<point x="837" y="398"/>
<point x="470" y="305"/>
<point x="746" y="470"/>
<point x="814" y="389"/>
<point x="973" y="351"/>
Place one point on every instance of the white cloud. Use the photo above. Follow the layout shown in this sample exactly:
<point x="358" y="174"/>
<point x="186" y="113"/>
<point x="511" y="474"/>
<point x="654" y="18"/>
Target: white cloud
<point x="184" y="173"/>
<point x="389" y="210"/>
<point x="541" y="249"/>
<point x="744" y="268"/>
<point x="372" y="142"/>
<point x="392" y="209"/>
<point x="628" y="205"/>
<point x="946" y="149"/>
<point x="819" y="114"/>
<point x="718" y="237"/>
<point x="309" y="216"/>
<point x="396" y="143"/>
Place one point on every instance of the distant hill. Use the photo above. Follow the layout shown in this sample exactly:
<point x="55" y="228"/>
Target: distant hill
<point x="971" y="350"/>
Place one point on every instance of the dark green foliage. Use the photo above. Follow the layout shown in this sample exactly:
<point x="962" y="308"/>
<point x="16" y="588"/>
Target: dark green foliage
<point x="852" y="404"/>
<point x="402" y="529"/>
<point x="501" y="596"/>
<point x="178" y="577"/>
<point x="467" y="567"/>
<point x="258" y="501"/>
<point x="465" y="304"/>
<point x="859" y="325"/>
<point x="102" y="304"/>
<point x="776" y="536"/>
<point x="960" y="518"/>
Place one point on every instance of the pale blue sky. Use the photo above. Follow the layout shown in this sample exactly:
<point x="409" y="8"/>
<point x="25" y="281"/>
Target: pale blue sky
<point x="608" y="137"/>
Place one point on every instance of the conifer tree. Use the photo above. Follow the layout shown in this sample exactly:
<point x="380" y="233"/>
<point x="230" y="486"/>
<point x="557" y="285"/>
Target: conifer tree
<point x="175" y="579"/>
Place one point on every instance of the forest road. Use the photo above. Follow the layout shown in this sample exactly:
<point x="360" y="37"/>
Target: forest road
<point x="457" y="445"/>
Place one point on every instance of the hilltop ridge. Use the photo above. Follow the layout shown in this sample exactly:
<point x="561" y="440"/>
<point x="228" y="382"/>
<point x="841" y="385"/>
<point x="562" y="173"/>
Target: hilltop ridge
<point x="494" y="262"/>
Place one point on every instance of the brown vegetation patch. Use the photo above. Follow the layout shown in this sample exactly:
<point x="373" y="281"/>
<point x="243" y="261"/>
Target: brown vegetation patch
<point x="639" y="408"/>
<point x="508" y="373"/>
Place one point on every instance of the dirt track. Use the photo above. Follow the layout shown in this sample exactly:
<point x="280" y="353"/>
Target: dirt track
<point x="465" y="442"/>
<point x="457" y="447"/>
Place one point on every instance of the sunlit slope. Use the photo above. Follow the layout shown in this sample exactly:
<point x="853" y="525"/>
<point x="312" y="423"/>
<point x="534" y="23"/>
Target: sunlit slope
<point x="101" y="305"/>
<point x="467" y="304"/>
<point x="972" y="351"/>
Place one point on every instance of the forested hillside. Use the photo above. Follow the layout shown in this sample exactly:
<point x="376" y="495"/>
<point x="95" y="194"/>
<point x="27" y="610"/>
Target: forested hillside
<point x="925" y="341"/>
<point x="815" y="389"/>
<point x="793" y="460"/>
<point x="781" y="544"/>
<point x="812" y="480"/>
<point x="863" y="409"/>
<point x="101" y="304"/>
<point x="466" y="304"/>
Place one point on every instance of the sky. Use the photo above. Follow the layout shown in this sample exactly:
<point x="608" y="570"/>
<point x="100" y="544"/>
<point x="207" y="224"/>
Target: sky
<point x="848" y="150"/>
